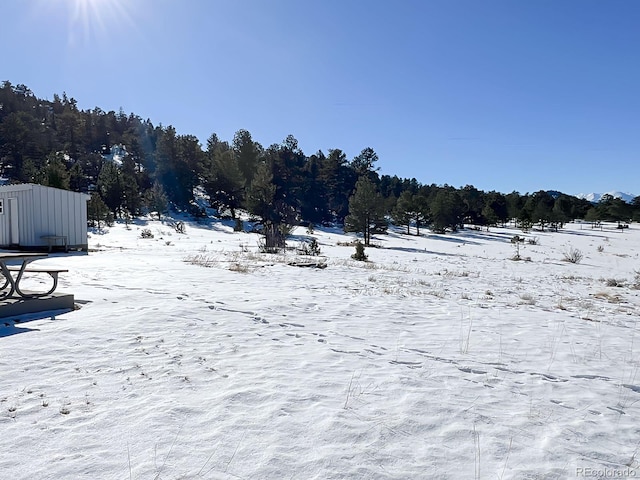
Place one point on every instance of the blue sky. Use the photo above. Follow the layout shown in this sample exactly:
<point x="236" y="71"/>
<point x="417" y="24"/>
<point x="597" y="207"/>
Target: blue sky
<point x="505" y="95"/>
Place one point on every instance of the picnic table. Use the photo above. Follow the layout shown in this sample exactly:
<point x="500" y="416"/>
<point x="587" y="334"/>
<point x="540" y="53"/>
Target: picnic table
<point x="11" y="262"/>
<point x="53" y="239"/>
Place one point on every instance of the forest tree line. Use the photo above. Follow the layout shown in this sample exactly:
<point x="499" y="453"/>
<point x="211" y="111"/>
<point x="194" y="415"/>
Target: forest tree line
<point x="54" y="143"/>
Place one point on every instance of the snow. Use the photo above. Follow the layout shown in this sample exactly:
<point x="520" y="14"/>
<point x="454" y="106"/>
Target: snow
<point x="595" y="197"/>
<point x="439" y="358"/>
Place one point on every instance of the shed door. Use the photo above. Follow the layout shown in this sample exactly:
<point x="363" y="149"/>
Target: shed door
<point x="13" y="219"/>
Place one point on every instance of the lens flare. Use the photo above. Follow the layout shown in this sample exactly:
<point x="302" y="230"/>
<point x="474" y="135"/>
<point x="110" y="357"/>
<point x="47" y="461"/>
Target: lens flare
<point x="91" y="19"/>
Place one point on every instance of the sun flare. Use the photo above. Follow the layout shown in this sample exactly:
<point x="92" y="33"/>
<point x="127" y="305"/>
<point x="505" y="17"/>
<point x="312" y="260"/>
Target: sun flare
<point x="91" y="19"/>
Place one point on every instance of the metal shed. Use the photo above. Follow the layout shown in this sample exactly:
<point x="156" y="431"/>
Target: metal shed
<point x="32" y="215"/>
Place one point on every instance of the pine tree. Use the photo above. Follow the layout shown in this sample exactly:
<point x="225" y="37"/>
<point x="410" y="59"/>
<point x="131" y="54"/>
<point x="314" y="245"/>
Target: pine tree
<point x="222" y="179"/>
<point x="247" y="154"/>
<point x="156" y="200"/>
<point x="110" y="187"/>
<point x="260" y="195"/>
<point x="411" y="208"/>
<point x="366" y="210"/>
<point x="55" y="173"/>
<point x="98" y="211"/>
<point x="446" y="210"/>
<point x="401" y="213"/>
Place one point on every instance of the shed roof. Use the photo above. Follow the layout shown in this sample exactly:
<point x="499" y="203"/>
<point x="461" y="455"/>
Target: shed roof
<point x="21" y="187"/>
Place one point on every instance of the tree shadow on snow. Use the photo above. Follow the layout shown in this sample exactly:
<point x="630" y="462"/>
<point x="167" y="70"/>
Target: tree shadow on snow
<point x="445" y="238"/>
<point x="422" y="251"/>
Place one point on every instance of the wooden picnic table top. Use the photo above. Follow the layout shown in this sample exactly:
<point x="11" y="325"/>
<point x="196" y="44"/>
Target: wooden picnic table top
<point x="22" y="255"/>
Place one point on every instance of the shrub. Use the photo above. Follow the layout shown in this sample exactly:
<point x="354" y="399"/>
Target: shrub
<point x="360" y="255"/>
<point x="239" y="267"/>
<point x="573" y="255"/>
<point x="310" y="248"/>
<point x="516" y="256"/>
<point x="600" y="248"/>
<point x="238" y="226"/>
<point x="146" y="233"/>
<point x="179" y="227"/>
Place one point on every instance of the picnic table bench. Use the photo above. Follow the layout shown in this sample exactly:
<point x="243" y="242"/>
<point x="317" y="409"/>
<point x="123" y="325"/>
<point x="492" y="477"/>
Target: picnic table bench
<point x="11" y="287"/>
<point x="53" y="239"/>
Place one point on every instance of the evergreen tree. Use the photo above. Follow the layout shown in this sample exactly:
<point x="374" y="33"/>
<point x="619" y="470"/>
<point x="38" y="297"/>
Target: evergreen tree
<point x="401" y="214"/>
<point x="473" y="200"/>
<point x="177" y="160"/>
<point x="540" y="208"/>
<point x="110" y="187"/>
<point x="55" y="173"/>
<point x="131" y="194"/>
<point x="498" y="211"/>
<point x="614" y="209"/>
<point x="97" y="211"/>
<point x="447" y="210"/>
<point x="363" y="164"/>
<point x="515" y="204"/>
<point x="562" y="211"/>
<point x="366" y="209"/>
<point x="222" y="178"/>
<point x="156" y="200"/>
<point x="635" y="209"/>
<point x="339" y="182"/>
<point x="247" y="152"/>
<point x="78" y="181"/>
<point x="489" y="216"/>
<point x="261" y="193"/>
<point x="411" y="208"/>
<point x="313" y="199"/>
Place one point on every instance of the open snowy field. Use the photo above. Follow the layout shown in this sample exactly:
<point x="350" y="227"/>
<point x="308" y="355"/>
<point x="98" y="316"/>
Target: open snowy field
<point x="194" y="357"/>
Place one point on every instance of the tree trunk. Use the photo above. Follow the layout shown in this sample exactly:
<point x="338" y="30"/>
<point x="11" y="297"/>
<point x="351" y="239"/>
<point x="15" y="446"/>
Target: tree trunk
<point x="367" y="230"/>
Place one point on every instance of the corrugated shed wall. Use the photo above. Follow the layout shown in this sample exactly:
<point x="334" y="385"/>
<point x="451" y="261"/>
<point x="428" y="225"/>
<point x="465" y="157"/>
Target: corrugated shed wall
<point x="44" y="211"/>
<point x="62" y="213"/>
<point x="5" y="235"/>
<point x="25" y="219"/>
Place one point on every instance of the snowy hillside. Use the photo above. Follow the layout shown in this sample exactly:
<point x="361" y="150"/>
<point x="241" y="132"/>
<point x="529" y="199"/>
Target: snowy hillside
<point x="595" y="197"/>
<point x="193" y="356"/>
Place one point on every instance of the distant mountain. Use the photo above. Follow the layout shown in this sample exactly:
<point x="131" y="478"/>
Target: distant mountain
<point x="595" y="197"/>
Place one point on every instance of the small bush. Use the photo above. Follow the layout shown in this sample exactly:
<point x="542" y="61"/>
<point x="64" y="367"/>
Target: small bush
<point x="573" y="255"/>
<point x="533" y="241"/>
<point x="614" y="282"/>
<point x="202" y="260"/>
<point x="179" y="227"/>
<point x="310" y="248"/>
<point x="146" y="233"/>
<point x="239" y="267"/>
<point x="516" y="256"/>
<point x="526" y="299"/>
<point x="360" y="255"/>
<point x="600" y="248"/>
<point x="238" y="226"/>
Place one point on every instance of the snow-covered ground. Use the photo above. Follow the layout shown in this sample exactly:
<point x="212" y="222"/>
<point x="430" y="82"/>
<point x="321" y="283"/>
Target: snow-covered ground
<point x="193" y="356"/>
